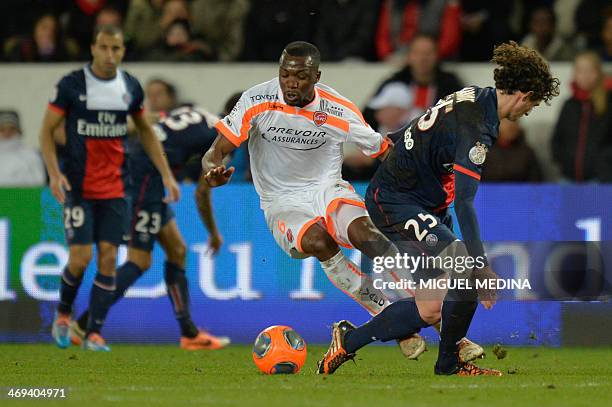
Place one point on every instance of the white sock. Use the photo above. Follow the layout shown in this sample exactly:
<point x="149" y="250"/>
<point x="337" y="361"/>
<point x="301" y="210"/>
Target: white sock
<point x="346" y="276"/>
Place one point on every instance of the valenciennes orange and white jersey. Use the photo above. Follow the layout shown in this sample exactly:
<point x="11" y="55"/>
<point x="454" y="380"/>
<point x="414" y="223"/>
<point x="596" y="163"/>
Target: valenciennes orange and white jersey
<point x="296" y="149"/>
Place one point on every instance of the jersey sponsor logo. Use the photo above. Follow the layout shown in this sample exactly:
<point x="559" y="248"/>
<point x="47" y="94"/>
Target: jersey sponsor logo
<point x="319" y="118"/>
<point x="327" y="107"/>
<point x="259" y="98"/>
<point x="295" y="139"/>
<point x="478" y="153"/>
<point x="105" y="127"/>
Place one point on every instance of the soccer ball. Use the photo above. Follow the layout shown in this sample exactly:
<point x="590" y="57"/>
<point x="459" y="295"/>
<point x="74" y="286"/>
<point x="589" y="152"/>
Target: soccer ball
<point x="279" y="349"/>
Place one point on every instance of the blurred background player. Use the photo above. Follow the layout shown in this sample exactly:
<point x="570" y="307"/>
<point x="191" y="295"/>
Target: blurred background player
<point x="184" y="132"/>
<point x="94" y="103"/>
<point x="438" y="159"/>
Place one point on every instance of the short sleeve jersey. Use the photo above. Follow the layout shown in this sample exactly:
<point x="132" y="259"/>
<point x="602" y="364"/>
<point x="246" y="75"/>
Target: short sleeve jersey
<point x="452" y="136"/>
<point x="96" y="111"/>
<point x="296" y="148"/>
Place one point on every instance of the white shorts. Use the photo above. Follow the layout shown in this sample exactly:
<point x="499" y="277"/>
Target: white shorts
<point x="290" y="216"/>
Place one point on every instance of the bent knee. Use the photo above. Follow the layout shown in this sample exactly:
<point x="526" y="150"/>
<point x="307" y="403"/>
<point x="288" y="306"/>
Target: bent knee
<point x="317" y="242"/>
<point x="430" y="312"/>
<point x="177" y="253"/>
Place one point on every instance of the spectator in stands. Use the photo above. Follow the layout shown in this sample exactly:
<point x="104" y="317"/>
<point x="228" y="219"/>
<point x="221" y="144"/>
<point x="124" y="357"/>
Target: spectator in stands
<point x="393" y="107"/>
<point x="422" y="73"/>
<point x="221" y="22"/>
<point x="354" y="38"/>
<point x="109" y="16"/>
<point x="484" y="24"/>
<point x="401" y="20"/>
<point x="143" y="21"/>
<point x="178" y="45"/>
<point x="20" y="166"/>
<point x="582" y="137"/>
<point x="272" y="24"/>
<point x="511" y="159"/>
<point x="589" y="20"/>
<point x="46" y="44"/>
<point x="606" y="37"/>
<point x="543" y="37"/>
<point x="80" y="19"/>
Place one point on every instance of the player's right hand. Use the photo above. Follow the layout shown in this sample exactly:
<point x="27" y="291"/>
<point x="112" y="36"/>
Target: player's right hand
<point x="59" y="184"/>
<point x="173" y="191"/>
<point x="487" y="297"/>
<point x="219" y="176"/>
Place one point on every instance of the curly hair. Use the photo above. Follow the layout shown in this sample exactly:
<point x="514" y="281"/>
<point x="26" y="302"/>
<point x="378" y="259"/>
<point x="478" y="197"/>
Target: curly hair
<point x="523" y="69"/>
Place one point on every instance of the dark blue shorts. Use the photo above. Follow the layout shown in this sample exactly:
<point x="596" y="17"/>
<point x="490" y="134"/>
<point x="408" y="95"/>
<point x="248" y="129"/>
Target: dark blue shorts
<point x="88" y="221"/>
<point x="149" y="213"/>
<point x="412" y="224"/>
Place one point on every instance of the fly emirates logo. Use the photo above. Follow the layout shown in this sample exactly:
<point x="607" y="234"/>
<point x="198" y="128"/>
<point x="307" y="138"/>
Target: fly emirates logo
<point x="106" y="126"/>
<point x="295" y="139"/>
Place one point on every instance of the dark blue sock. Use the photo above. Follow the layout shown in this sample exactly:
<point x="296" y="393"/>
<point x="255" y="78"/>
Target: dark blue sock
<point x="127" y="275"/>
<point x="69" y="287"/>
<point x="178" y="292"/>
<point x="397" y="321"/>
<point x="457" y="314"/>
<point x="100" y="301"/>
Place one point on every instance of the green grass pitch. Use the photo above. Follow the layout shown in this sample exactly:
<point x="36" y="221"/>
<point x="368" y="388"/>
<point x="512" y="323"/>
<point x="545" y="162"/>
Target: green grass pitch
<point x="165" y="375"/>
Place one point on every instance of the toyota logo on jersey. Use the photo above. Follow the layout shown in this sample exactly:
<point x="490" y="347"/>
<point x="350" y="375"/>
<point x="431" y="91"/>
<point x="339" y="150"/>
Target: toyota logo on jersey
<point x="319" y="118"/>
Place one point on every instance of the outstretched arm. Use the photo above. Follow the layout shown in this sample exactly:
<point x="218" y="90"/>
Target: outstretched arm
<point x="57" y="181"/>
<point x="213" y="162"/>
<point x="203" y="194"/>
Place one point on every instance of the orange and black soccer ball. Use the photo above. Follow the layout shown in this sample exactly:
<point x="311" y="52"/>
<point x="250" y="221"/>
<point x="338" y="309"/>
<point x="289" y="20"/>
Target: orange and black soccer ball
<point x="279" y="349"/>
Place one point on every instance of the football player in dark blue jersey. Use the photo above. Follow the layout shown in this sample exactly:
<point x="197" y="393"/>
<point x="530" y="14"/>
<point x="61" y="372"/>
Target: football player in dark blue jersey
<point x="94" y="103"/>
<point x="186" y="133"/>
<point x="438" y="159"/>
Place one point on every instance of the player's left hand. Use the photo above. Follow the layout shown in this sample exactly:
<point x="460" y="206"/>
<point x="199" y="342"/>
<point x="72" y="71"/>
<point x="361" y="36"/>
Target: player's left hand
<point x="173" y="192"/>
<point x="215" y="241"/>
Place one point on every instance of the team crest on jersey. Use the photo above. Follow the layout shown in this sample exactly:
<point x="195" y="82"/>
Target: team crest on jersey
<point x="478" y="153"/>
<point x="431" y="240"/>
<point x="127" y="98"/>
<point x="289" y="235"/>
<point x="319" y="118"/>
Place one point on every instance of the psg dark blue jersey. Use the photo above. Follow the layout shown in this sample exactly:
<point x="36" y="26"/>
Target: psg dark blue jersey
<point x="96" y="111"/>
<point x="184" y="132"/>
<point x="438" y="158"/>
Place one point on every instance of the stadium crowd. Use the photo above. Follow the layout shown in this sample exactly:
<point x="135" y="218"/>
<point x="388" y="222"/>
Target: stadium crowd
<point x="417" y="34"/>
<point x="254" y="30"/>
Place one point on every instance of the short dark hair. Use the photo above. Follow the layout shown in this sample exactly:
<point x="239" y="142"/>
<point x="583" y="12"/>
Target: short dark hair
<point x="523" y="69"/>
<point x="170" y="88"/>
<point x="304" y="49"/>
<point x="105" y="29"/>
